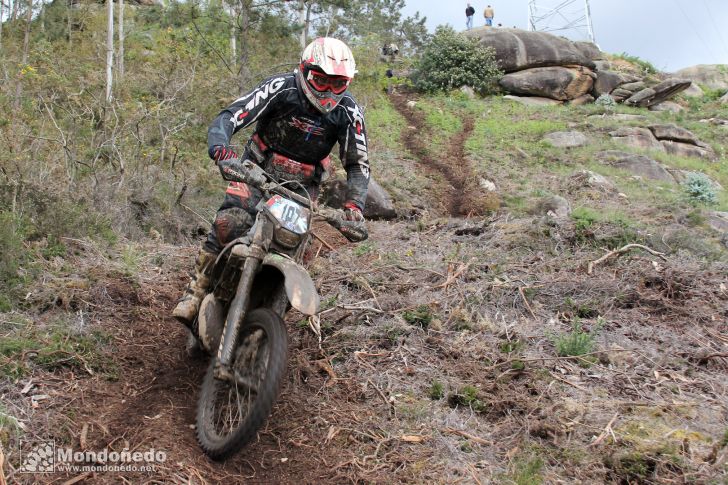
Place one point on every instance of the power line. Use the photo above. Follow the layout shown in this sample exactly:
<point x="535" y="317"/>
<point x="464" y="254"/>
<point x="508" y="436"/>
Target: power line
<point x="697" y="32"/>
<point x="712" y="21"/>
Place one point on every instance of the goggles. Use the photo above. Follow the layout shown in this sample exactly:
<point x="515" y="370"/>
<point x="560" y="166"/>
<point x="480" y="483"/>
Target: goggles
<point x="323" y="82"/>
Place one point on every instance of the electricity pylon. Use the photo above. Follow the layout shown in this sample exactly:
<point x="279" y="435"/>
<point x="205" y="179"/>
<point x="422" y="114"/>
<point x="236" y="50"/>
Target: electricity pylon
<point x="561" y="16"/>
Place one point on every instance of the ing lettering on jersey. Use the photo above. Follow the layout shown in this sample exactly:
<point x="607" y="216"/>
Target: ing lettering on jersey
<point x="260" y="94"/>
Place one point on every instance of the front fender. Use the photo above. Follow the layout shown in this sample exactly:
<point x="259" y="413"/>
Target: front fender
<point x="300" y="289"/>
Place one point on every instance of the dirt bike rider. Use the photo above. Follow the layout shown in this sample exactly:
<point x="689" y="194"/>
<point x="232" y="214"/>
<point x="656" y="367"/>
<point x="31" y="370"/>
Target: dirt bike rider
<point x="300" y="117"/>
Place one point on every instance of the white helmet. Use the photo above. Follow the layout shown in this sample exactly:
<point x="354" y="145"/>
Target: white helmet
<point x="327" y="67"/>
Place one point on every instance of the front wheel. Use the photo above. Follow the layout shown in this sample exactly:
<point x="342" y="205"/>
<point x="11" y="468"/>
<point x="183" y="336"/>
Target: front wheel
<point x="230" y="412"/>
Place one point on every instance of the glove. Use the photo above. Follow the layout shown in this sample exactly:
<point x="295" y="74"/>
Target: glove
<point x="220" y="152"/>
<point x="352" y="212"/>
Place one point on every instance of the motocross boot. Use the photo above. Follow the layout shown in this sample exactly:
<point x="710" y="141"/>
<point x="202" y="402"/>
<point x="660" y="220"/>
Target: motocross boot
<point x="187" y="307"/>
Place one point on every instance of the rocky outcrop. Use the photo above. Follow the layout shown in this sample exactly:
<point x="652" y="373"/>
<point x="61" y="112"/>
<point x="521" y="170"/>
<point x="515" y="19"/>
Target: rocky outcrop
<point x="671" y="131"/>
<point x="517" y="49"/>
<point x="688" y="150"/>
<point x="669" y="138"/>
<point x="658" y="93"/>
<point x="587" y="178"/>
<point x="694" y="91"/>
<point x="637" y="137"/>
<point x="637" y="164"/>
<point x="712" y="76"/>
<point x="561" y="83"/>
<point x="608" y="81"/>
<point x="724" y="98"/>
<point x="667" y="106"/>
<point x="566" y="139"/>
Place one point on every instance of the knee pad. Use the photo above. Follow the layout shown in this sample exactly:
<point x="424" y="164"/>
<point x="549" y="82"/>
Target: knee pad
<point x="231" y="223"/>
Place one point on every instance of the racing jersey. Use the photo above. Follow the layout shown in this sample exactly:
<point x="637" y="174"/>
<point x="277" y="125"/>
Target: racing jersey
<point x="289" y="125"/>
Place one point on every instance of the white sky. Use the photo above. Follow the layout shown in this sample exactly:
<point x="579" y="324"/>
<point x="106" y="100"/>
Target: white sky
<point x="671" y="34"/>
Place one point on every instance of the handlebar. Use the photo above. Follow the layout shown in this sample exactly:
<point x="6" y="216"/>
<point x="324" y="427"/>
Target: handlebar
<point x="251" y="174"/>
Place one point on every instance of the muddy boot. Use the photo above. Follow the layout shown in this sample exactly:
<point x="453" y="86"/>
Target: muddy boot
<point x="186" y="309"/>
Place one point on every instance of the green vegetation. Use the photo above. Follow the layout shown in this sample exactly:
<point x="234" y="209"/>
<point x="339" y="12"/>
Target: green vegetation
<point x="436" y="391"/>
<point x="645" y="66"/>
<point x="527" y="471"/>
<point x="576" y="343"/>
<point x="467" y="396"/>
<point x="421" y="316"/>
<point x="699" y="189"/>
<point x="51" y="347"/>
<point x="452" y="60"/>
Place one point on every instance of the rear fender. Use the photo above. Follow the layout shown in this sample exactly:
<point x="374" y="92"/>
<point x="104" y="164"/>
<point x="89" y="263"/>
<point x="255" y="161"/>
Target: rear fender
<point x="299" y="286"/>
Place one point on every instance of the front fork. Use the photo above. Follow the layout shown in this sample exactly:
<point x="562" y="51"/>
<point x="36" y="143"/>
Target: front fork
<point x="254" y="253"/>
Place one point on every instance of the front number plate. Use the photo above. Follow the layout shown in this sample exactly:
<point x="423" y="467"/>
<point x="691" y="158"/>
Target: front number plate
<point x="291" y="215"/>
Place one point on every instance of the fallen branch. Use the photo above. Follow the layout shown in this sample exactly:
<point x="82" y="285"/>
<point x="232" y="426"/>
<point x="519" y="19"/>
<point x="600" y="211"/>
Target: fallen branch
<point x="329" y="246"/>
<point x="606" y="432"/>
<point x="620" y="251"/>
<point x="467" y="435"/>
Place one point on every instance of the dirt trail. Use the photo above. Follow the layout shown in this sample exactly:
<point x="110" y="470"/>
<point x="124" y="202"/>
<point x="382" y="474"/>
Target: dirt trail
<point x="463" y="196"/>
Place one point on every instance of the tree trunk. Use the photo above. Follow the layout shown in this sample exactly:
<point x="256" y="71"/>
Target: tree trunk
<point x="16" y="5"/>
<point x="109" y="48"/>
<point x="120" y="55"/>
<point x="244" y="71"/>
<point x="304" y="24"/>
<point x="2" y="14"/>
<point x="26" y="48"/>
<point x="69" y="11"/>
<point x="233" y="36"/>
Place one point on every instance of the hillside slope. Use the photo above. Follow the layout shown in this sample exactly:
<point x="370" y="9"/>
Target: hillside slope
<point x="467" y="341"/>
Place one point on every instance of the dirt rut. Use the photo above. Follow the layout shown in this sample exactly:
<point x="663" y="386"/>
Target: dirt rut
<point x="462" y="196"/>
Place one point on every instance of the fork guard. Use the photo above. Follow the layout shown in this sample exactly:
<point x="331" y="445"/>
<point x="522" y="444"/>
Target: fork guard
<point x="299" y="286"/>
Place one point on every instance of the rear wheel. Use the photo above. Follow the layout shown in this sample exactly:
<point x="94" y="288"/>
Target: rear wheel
<point x="230" y="412"/>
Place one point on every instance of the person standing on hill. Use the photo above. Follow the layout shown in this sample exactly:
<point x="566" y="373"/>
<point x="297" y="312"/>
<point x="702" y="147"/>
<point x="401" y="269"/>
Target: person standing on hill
<point x="488" y="13"/>
<point x="469" y="12"/>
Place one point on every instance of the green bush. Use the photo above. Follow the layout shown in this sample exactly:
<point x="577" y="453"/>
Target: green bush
<point x="699" y="189"/>
<point x="452" y="60"/>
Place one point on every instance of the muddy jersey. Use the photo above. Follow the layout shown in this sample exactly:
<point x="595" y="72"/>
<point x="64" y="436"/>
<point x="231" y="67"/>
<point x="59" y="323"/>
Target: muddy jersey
<point x="289" y="125"/>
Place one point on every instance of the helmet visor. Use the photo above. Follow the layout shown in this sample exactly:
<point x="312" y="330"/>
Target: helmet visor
<point x="323" y="82"/>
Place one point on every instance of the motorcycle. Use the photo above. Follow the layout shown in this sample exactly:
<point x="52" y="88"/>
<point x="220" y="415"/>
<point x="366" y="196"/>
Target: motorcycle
<point x="256" y="279"/>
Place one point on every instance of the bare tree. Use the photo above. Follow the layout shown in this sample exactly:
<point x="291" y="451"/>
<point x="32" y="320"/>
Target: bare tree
<point x="120" y="55"/>
<point x="26" y="48"/>
<point x="109" y="48"/>
<point x="16" y="5"/>
<point x="2" y="14"/>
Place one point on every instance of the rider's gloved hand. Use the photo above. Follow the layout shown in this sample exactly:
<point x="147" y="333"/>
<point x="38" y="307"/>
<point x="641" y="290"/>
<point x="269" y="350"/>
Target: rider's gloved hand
<point x="352" y="212"/>
<point x="221" y="152"/>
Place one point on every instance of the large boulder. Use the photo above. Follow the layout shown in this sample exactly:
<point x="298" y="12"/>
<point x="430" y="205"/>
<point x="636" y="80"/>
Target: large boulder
<point x="589" y="49"/>
<point x="713" y="76"/>
<point x="562" y="83"/>
<point x="637" y="137"/>
<point x="670" y="106"/>
<point x="694" y="91"/>
<point x="566" y="139"/>
<point x="607" y="81"/>
<point x="688" y="150"/>
<point x="658" y="93"/>
<point x="637" y="164"/>
<point x="681" y="176"/>
<point x="670" y="131"/>
<point x="517" y="49"/>
<point x="724" y="98"/>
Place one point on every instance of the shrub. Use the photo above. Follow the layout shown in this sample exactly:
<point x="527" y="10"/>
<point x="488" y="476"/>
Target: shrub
<point x="606" y="101"/>
<point x="576" y="343"/>
<point x="699" y="189"/>
<point x="420" y="316"/>
<point x="452" y="60"/>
